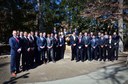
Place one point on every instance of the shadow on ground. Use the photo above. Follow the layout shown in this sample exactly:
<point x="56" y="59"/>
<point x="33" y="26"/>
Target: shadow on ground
<point x="110" y="73"/>
<point x="14" y="80"/>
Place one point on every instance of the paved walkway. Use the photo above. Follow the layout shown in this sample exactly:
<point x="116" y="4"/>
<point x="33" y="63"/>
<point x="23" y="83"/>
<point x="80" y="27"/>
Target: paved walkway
<point x="69" y="72"/>
<point x="116" y="74"/>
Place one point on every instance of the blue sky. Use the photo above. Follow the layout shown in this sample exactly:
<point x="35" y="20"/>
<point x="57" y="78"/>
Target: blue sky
<point x="58" y="2"/>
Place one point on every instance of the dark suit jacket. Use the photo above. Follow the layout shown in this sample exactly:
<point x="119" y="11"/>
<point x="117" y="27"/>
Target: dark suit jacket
<point x="26" y="44"/>
<point x="116" y="40"/>
<point x="21" y="42"/>
<point x="31" y="43"/>
<point x="56" y="42"/>
<point x="110" y="44"/>
<point x="74" y="41"/>
<point x="101" y="42"/>
<point x="14" y="45"/>
<point x="41" y="43"/>
<point x="86" y="40"/>
<point x="62" y="42"/>
<point x="94" y="43"/>
<point x="81" y="43"/>
<point x="36" y="38"/>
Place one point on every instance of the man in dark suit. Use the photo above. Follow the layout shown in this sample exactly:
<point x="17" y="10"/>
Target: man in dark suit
<point x="45" y="50"/>
<point x="98" y="46"/>
<point x="61" y="46"/>
<point x="25" y="50"/>
<point x="56" y="47"/>
<point x="106" y="46"/>
<point x="20" y="38"/>
<point x="74" y="42"/>
<point x="101" y="43"/>
<point x="86" y="47"/>
<point x="80" y="48"/>
<point x="94" y="44"/>
<point x="64" y="46"/>
<point x="15" y="49"/>
<point x="116" y="45"/>
<point x="41" y="42"/>
<point x="32" y="47"/>
<point x="37" y="57"/>
<point x="110" y="44"/>
<point x="50" y="44"/>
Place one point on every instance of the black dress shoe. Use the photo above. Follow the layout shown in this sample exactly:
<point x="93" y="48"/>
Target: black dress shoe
<point x="71" y="59"/>
<point x="100" y="60"/>
<point x="18" y="71"/>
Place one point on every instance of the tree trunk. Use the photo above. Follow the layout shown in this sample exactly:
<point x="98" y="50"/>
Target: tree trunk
<point x="120" y="25"/>
<point x="40" y="18"/>
<point x="38" y="15"/>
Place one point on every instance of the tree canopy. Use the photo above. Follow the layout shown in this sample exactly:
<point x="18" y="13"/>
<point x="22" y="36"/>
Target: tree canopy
<point x="43" y="15"/>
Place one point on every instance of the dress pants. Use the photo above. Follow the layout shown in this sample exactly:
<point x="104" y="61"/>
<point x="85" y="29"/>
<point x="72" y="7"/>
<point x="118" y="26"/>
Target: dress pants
<point x="79" y="54"/>
<point x="105" y="52"/>
<point x="42" y="55"/>
<point x="101" y="53"/>
<point x="13" y="63"/>
<point x="50" y="55"/>
<point x="31" y="57"/>
<point x="74" y="49"/>
<point x="93" y="53"/>
<point x="111" y="54"/>
<point x="25" y="60"/>
<point x="37" y="56"/>
<point x="116" y="52"/>
<point x="18" y="62"/>
<point x="86" y="53"/>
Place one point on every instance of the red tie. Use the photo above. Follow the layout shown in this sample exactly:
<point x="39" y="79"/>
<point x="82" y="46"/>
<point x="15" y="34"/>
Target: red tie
<point x="56" y="39"/>
<point x="79" y="40"/>
<point x="17" y="40"/>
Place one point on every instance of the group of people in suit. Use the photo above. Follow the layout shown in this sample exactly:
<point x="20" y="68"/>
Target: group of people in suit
<point x="34" y="49"/>
<point x="94" y="46"/>
<point x="40" y="48"/>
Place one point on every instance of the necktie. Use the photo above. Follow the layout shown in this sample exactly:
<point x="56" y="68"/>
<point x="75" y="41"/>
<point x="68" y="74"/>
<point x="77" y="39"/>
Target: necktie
<point x="48" y="40"/>
<point x="17" y="40"/>
<point x="79" y="40"/>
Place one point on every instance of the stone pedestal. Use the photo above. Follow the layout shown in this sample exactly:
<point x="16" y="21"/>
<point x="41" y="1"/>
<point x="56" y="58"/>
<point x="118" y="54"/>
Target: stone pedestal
<point x="67" y="53"/>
